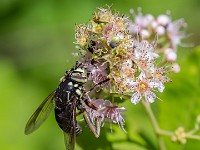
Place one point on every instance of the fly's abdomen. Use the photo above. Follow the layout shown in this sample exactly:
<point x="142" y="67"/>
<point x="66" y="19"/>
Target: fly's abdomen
<point x="66" y="117"/>
<point x="66" y="103"/>
<point x="62" y="116"/>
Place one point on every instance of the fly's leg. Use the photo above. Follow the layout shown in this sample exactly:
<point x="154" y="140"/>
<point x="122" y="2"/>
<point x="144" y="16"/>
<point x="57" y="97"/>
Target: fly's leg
<point x="87" y="99"/>
<point x="94" y="127"/>
<point x="95" y="123"/>
<point x="98" y="84"/>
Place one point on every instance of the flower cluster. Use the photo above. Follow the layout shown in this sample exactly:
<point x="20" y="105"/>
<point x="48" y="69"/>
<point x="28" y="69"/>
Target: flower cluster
<point x="127" y="58"/>
<point x="179" y="135"/>
<point x="170" y="32"/>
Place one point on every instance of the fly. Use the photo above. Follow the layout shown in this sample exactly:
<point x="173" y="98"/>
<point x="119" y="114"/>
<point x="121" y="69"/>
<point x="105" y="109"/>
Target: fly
<point x="69" y="95"/>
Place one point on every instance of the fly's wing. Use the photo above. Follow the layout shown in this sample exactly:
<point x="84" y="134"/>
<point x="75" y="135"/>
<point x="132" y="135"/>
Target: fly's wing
<point x="70" y="133"/>
<point x="69" y="141"/>
<point x="40" y="115"/>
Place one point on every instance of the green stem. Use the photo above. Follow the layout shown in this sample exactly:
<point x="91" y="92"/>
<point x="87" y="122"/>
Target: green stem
<point x="155" y="125"/>
<point x="193" y="131"/>
<point x="166" y="133"/>
<point x="159" y="132"/>
<point x="194" y="137"/>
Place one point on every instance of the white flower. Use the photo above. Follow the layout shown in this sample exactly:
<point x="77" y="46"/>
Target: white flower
<point x="132" y="28"/>
<point x="160" y="77"/>
<point x="128" y="63"/>
<point x="174" y="33"/>
<point x="143" y="87"/>
<point x="144" y="55"/>
<point x="145" y="49"/>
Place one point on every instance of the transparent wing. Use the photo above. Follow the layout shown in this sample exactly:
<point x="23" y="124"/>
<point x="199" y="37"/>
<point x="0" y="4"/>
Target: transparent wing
<point x="69" y="141"/>
<point x="40" y="115"/>
<point x="70" y="135"/>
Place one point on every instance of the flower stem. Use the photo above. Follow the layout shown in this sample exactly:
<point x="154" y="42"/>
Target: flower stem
<point x="194" y="137"/>
<point x="154" y="124"/>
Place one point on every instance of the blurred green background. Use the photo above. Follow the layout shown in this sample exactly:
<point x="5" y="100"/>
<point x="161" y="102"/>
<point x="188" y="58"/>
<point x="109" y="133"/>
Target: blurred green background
<point x="36" y="42"/>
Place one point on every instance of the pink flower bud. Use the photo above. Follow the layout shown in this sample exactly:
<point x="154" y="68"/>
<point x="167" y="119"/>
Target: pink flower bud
<point x="145" y="33"/>
<point x="170" y="55"/>
<point x="176" y="68"/>
<point x="163" y="20"/>
<point x="160" y="30"/>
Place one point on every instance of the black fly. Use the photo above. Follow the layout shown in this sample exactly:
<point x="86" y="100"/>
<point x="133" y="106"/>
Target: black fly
<point x="69" y="95"/>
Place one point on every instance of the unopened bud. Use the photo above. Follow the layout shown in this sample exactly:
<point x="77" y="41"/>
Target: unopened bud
<point x="163" y="20"/>
<point x="170" y="55"/>
<point x="160" y="30"/>
<point x="175" y="68"/>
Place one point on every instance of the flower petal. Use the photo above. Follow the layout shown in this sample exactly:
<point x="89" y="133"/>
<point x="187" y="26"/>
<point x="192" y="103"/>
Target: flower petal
<point x="136" y="97"/>
<point x="161" y="87"/>
<point x="150" y="96"/>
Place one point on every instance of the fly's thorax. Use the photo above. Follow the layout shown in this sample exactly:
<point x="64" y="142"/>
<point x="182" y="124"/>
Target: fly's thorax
<point x="79" y="75"/>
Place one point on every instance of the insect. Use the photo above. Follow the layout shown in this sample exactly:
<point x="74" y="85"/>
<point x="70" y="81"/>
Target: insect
<point x="68" y="96"/>
<point x="113" y="44"/>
